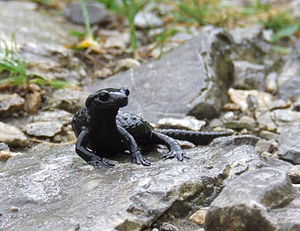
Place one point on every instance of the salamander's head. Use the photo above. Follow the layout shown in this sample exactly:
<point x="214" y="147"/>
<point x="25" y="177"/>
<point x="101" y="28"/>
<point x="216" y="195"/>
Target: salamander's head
<point x="108" y="98"/>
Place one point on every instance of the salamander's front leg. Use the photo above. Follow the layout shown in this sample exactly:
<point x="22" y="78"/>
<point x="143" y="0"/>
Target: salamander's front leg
<point x="88" y="155"/>
<point x="132" y="146"/>
<point x="174" y="148"/>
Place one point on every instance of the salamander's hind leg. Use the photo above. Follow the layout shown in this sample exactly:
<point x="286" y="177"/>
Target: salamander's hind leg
<point x="174" y="148"/>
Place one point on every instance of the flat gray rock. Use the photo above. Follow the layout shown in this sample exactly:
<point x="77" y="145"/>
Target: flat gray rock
<point x="193" y="79"/>
<point x="44" y="128"/>
<point x="10" y="103"/>
<point x="289" y="144"/>
<point x="248" y="75"/>
<point x="12" y="135"/>
<point x="96" y="11"/>
<point x="56" y="190"/>
<point x="244" y="203"/>
<point x="289" y="78"/>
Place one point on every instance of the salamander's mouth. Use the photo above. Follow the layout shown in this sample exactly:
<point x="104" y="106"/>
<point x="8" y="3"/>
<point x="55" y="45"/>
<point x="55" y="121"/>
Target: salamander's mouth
<point x="123" y="102"/>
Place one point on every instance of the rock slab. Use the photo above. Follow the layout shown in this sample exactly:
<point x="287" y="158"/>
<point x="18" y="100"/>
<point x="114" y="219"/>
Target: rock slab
<point x="193" y="79"/>
<point x="56" y="190"/>
<point x="289" y="144"/>
<point x="244" y="202"/>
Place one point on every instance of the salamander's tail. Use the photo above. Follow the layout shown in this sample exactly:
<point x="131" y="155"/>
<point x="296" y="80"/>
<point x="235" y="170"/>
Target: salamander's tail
<point x="196" y="137"/>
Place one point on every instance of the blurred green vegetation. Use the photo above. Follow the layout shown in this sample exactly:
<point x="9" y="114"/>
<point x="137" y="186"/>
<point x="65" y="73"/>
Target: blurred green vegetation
<point x="13" y="69"/>
<point x="222" y="13"/>
<point x="127" y="9"/>
<point x="275" y="17"/>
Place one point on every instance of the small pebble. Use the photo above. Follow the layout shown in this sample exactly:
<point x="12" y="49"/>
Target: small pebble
<point x="294" y="174"/>
<point x="297" y="105"/>
<point x="279" y="104"/>
<point x="188" y="122"/>
<point x="271" y="82"/>
<point x="77" y="227"/>
<point x="4" y="147"/>
<point x="268" y="135"/>
<point x="127" y="63"/>
<point x="199" y="216"/>
<point x="266" y="155"/>
<point x="168" y="227"/>
<point x="252" y="102"/>
<point x="186" y="144"/>
<point x="228" y="116"/>
<point x="231" y="107"/>
<point x="265" y="146"/>
<point x="14" y="209"/>
<point x="216" y="123"/>
<point x="5" y="155"/>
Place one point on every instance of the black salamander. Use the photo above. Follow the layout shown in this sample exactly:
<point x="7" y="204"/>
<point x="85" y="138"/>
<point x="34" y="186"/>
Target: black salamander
<point x="102" y="130"/>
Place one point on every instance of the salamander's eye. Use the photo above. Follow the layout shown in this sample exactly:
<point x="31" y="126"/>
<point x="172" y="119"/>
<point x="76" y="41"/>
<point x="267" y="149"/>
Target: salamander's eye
<point x="103" y="95"/>
<point x="126" y="91"/>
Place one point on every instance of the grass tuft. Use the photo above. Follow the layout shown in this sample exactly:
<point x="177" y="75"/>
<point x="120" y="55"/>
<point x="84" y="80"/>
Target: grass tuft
<point x="13" y="69"/>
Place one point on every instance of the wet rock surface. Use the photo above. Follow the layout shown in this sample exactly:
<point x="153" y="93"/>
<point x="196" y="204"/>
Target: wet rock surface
<point x="57" y="186"/>
<point x="205" y="57"/>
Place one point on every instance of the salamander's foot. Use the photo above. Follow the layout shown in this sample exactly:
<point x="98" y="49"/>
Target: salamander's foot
<point x="138" y="158"/>
<point x="179" y="154"/>
<point x="98" y="162"/>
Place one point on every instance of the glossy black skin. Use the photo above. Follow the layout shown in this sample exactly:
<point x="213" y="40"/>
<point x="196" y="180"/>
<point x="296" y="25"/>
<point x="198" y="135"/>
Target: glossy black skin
<point x="102" y="131"/>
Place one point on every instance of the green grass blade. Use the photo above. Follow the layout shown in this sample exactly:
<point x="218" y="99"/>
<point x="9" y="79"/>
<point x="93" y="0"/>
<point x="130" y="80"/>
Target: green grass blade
<point x="86" y="17"/>
<point x="286" y="32"/>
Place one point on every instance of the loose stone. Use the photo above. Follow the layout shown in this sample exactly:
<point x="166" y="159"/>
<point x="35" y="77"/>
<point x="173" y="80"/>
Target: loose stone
<point x="147" y="20"/>
<point x="10" y="103"/>
<point x="96" y="11"/>
<point x="268" y="135"/>
<point x="248" y="75"/>
<point x="271" y="82"/>
<point x="5" y="155"/>
<point x="239" y="97"/>
<point x="43" y="129"/>
<point x="266" y="146"/>
<point x="199" y="216"/>
<point x="280" y="104"/>
<point x="67" y="99"/>
<point x="12" y="135"/>
<point x="14" y="209"/>
<point x="244" y="123"/>
<point x="297" y="104"/>
<point x="294" y="174"/>
<point x="4" y="147"/>
<point x="231" y="107"/>
<point x="127" y="63"/>
<point x="188" y="122"/>
<point x="289" y="148"/>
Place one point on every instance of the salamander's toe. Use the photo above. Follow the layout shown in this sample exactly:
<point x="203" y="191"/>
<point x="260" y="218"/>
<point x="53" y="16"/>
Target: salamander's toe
<point x="138" y="158"/>
<point x="100" y="162"/>
<point x="180" y="155"/>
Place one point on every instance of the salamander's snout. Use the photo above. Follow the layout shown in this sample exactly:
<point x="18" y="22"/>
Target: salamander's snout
<point x="125" y="91"/>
